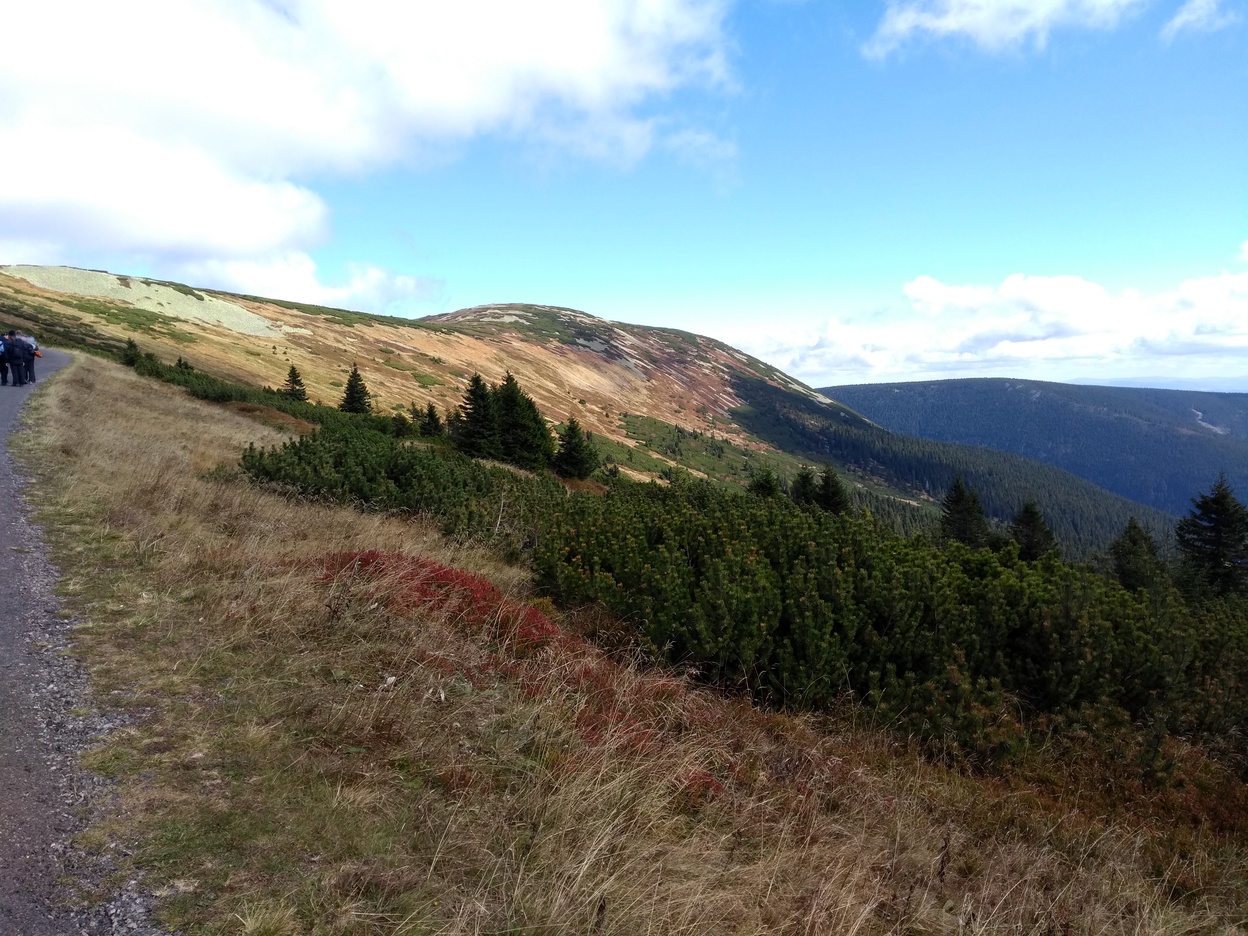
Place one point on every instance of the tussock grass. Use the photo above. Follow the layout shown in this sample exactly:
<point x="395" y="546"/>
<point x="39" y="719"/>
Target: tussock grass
<point x="313" y="753"/>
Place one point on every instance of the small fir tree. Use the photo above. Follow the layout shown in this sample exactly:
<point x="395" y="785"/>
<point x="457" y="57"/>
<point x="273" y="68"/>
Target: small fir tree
<point x="1032" y="534"/>
<point x="523" y="437"/>
<point x="477" y="428"/>
<point x="805" y="487"/>
<point x="765" y="484"/>
<point x="294" y="387"/>
<point x="1213" y="538"/>
<point x="831" y="495"/>
<point x="400" y="425"/>
<point x="1135" y="557"/>
<point x="130" y="353"/>
<point x="962" y="517"/>
<point x="356" y="398"/>
<point x="431" y="424"/>
<point x="577" y="457"/>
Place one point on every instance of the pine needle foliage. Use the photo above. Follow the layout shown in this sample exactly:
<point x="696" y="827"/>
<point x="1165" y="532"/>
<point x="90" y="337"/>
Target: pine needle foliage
<point x="1213" y="538"/>
<point x="1032" y="534"/>
<point x="962" y="517"/>
<point x="355" y="397"/>
<point x="293" y="387"/>
<point x="576" y="457"/>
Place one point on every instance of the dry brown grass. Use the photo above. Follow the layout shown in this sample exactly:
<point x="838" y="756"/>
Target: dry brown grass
<point x="277" y="781"/>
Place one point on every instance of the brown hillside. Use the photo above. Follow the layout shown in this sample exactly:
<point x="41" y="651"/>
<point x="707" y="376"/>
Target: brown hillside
<point x="570" y="362"/>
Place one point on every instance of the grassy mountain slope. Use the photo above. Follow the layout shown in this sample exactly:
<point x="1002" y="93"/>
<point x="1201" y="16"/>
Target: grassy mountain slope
<point x="658" y="397"/>
<point x="307" y="748"/>
<point x="1158" y="447"/>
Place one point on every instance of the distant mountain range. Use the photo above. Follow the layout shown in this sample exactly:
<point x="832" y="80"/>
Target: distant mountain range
<point x="1158" y="447"/>
<point x="657" y="399"/>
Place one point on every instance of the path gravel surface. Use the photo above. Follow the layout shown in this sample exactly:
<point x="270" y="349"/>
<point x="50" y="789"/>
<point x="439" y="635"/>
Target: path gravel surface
<point x="47" y="721"/>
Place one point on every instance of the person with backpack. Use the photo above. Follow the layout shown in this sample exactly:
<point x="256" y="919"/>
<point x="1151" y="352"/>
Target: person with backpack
<point x="4" y="362"/>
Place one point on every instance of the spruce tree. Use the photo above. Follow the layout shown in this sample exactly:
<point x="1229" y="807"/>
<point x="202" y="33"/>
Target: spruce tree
<point x="1032" y="534"/>
<point x="356" y="398"/>
<point x="1213" y="538"/>
<point x="1135" y="559"/>
<point x="294" y="387"/>
<point x="431" y="423"/>
<point x="805" y="487"/>
<point x="523" y="437"/>
<point x="577" y="457"/>
<point x="962" y="517"/>
<point x="765" y="484"/>
<point x="831" y="495"/>
<point x="477" y="428"/>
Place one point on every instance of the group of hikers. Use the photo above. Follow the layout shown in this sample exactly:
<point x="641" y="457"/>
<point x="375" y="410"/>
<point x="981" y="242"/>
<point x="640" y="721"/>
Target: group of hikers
<point x="17" y="355"/>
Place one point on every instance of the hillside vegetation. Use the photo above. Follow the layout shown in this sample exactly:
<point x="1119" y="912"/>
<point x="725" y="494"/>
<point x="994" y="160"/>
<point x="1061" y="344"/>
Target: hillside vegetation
<point x="658" y="399"/>
<point x="1151" y="446"/>
<point x="344" y="722"/>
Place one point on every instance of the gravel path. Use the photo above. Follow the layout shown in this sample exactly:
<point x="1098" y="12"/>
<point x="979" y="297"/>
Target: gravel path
<point x="46" y="722"/>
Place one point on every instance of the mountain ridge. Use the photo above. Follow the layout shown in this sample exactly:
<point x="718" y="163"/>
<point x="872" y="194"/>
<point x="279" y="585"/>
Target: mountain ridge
<point x="727" y="415"/>
<point x="1155" y="446"/>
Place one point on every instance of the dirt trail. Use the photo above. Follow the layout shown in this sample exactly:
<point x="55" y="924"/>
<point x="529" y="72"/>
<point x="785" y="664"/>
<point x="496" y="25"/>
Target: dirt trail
<point x="46" y="722"/>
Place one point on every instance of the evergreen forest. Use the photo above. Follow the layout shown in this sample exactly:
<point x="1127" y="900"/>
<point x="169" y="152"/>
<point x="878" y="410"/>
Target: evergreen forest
<point x="1149" y="445"/>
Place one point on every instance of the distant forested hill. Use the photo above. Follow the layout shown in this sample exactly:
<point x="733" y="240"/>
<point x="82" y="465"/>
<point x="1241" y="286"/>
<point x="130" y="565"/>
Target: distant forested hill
<point x="1085" y="517"/>
<point x="1158" y="447"/>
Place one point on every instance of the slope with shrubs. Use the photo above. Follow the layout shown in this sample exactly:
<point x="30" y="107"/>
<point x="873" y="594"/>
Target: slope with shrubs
<point x="339" y="726"/>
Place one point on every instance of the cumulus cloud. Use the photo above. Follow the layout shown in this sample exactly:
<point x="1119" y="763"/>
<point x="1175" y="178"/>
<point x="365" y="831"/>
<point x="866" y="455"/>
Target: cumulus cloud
<point x="1042" y="327"/>
<point x="1198" y="16"/>
<point x="293" y="275"/>
<point x="184" y="129"/>
<point x="993" y="25"/>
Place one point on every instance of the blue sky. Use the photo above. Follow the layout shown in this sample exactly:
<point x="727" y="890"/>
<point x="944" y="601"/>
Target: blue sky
<point x="1054" y="189"/>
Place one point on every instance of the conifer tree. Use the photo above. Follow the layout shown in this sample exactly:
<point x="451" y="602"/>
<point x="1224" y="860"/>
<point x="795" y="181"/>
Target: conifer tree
<point x="805" y="487"/>
<point x="523" y="437"/>
<point x="577" y="457"/>
<point x="962" y="517"/>
<point x="431" y="423"/>
<point x="130" y="353"/>
<point x="831" y="495"/>
<point x="294" y="387"/>
<point x="1032" y="534"/>
<point x="356" y="398"/>
<point x="765" y="484"/>
<point x="1213" y="538"/>
<point x="477" y="428"/>
<point x="1134" y="555"/>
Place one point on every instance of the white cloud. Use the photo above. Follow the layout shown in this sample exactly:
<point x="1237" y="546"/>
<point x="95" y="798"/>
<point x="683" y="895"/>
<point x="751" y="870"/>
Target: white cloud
<point x="180" y="129"/>
<point x="1042" y="327"/>
<point x="293" y="275"/>
<point x="1198" y="16"/>
<point x="994" y="25"/>
<point x="1243" y="251"/>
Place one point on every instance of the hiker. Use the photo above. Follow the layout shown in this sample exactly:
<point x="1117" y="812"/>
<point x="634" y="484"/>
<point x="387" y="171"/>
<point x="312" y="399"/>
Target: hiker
<point x="13" y="354"/>
<point x="4" y="363"/>
<point x="30" y="350"/>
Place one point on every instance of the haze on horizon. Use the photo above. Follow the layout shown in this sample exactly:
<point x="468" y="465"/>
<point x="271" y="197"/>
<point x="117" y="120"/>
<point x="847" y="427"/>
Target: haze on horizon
<point x="900" y="190"/>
